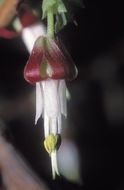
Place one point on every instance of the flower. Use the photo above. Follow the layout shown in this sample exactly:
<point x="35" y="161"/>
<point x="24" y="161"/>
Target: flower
<point x="48" y="67"/>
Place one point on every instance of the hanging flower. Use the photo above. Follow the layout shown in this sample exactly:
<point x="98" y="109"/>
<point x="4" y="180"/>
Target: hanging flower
<point x="49" y="64"/>
<point x="48" y="67"/>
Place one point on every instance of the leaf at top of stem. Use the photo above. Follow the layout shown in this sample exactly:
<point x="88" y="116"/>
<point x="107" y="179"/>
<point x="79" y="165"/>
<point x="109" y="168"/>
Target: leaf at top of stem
<point x="61" y="21"/>
<point x="54" y="6"/>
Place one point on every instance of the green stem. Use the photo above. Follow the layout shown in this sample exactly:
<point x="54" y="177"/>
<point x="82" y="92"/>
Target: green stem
<point x="50" y="24"/>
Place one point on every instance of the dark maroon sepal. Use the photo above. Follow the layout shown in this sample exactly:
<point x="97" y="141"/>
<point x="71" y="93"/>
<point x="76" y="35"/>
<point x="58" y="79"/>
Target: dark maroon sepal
<point x="47" y="60"/>
<point x="32" y="68"/>
<point x="60" y="61"/>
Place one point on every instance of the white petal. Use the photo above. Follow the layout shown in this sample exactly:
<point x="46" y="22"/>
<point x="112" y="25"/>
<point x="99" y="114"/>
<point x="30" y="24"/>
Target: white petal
<point x="51" y="98"/>
<point x="39" y="101"/>
<point x="46" y="125"/>
<point x="53" y="126"/>
<point x="62" y="96"/>
<point x="59" y="124"/>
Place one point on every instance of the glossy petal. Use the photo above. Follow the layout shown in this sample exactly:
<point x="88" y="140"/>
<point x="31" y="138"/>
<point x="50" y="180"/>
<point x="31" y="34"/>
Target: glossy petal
<point x="32" y="68"/>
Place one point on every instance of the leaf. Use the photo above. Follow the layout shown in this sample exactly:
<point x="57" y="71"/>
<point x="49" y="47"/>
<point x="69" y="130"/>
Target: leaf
<point x="72" y="7"/>
<point x="61" y="7"/>
<point x="47" y="5"/>
<point x="55" y="6"/>
<point x="61" y="21"/>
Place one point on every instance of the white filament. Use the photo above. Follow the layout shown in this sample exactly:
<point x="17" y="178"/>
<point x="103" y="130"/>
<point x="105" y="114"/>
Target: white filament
<point x="54" y="164"/>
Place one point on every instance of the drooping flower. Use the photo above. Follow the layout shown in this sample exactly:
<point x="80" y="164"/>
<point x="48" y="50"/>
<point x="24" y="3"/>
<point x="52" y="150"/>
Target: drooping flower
<point x="48" y="67"/>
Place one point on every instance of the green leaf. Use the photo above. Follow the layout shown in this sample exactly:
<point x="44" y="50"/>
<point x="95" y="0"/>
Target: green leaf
<point x="55" y="6"/>
<point x="61" y="7"/>
<point x="72" y="7"/>
<point x="47" y="5"/>
<point x="61" y="21"/>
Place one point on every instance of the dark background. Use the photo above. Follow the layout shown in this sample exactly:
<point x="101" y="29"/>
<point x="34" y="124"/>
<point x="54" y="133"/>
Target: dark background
<point x="96" y="111"/>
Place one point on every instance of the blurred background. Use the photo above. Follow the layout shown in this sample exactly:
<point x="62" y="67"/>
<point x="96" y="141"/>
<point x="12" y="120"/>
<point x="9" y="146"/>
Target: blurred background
<point x="93" y="135"/>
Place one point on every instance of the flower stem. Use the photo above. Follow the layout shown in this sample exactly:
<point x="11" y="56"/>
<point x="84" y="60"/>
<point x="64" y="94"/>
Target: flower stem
<point x="50" y="24"/>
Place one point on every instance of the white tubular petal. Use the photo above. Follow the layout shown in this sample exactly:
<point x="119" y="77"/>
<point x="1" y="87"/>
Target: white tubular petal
<point x="46" y="125"/>
<point x="54" y="164"/>
<point x="51" y="98"/>
<point x="62" y="96"/>
<point x="53" y="126"/>
<point x="39" y="101"/>
<point x="59" y="124"/>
